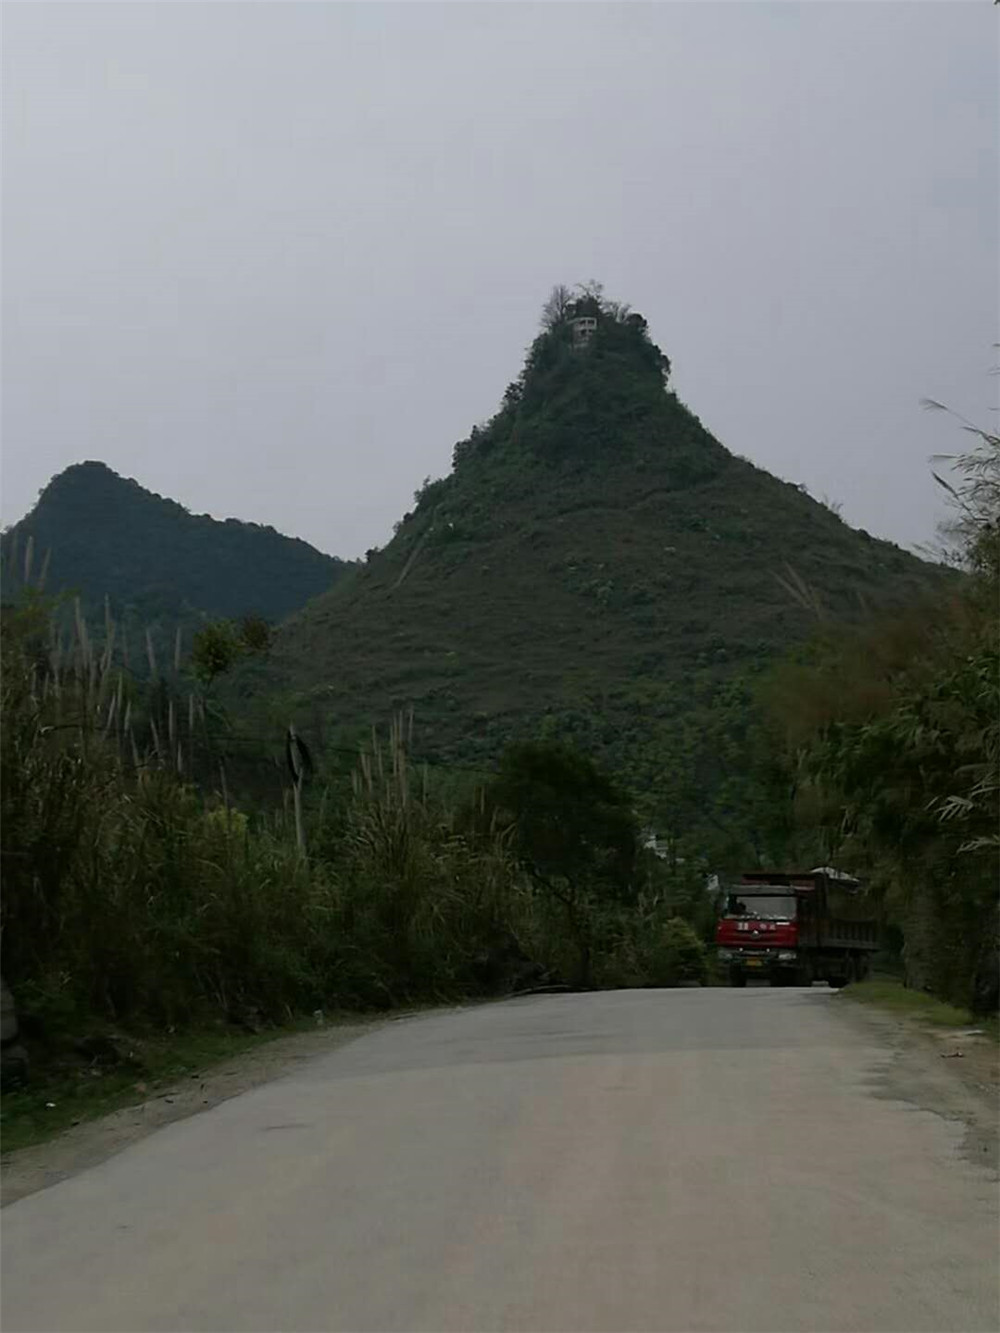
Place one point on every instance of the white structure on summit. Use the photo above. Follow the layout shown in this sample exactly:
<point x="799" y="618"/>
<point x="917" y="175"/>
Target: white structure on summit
<point x="584" y="327"/>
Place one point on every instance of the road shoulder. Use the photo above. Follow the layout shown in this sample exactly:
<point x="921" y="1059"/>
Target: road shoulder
<point x="93" y="1141"/>
<point x="953" y="1072"/>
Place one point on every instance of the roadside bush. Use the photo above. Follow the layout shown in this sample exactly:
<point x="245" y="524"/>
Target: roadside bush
<point x="654" y="949"/>
<point x="433" y="911"/>
<point x="133" y="897"/>
<point x="675" y="954"/>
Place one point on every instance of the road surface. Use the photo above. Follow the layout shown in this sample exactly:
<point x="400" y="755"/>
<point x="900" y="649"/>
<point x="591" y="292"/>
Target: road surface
<point x="639" y="1160"/>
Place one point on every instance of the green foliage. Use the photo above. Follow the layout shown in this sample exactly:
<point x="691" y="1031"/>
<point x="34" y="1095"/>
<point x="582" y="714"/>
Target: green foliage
<point x="214" y="650"/>
<point x="156" y="566"/>
<point x="896" y="736"/>
<point x="133" y="896"/>
<point x="568" y="818"/>
<point x="129" y="894"/>
<point x="125" y="892"/>
<point x="670" y="953"/>
<point x="219" y="645"/>
<point x="575" y="834"/>
<point x="255" y="634"/>
<point x="888" y="993"/>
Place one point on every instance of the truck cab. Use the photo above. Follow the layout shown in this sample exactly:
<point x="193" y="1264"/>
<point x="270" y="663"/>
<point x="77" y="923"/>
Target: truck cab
<point x="758" y="934"/>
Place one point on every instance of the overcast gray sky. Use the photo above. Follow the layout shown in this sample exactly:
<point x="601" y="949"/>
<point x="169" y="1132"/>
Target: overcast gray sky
<point x="273" y="260"/>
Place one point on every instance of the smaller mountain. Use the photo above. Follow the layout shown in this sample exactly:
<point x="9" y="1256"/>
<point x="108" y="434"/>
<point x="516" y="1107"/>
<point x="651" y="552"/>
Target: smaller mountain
<point x="99" y="535"/>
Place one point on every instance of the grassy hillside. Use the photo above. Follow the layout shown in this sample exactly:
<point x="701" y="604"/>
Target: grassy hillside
<point x="596" y="567"/>
<point x="100" y="535"/>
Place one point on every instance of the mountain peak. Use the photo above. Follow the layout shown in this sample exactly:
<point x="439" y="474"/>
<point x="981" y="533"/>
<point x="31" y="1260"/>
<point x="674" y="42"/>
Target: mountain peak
<point x="88" y="472"/>
<point x="591" y="375"/>
<point x="92" y="466"/>
<point x="597" y="567"/>
<point x="94" y="483"/>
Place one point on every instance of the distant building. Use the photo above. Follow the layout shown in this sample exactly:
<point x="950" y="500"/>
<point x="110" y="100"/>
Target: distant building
<point x="830" y="873"/>
<point x="583" y="329"/>
<point x="661" y="847"/>
<point x="658" y="846"/>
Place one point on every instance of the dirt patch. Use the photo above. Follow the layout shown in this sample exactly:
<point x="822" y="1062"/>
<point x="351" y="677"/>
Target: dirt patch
<point x="85" y="1145"/>
<point x="952" y="1072"/>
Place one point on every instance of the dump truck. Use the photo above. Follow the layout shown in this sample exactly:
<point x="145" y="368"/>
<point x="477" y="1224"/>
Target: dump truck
<point x="795" y="928"/>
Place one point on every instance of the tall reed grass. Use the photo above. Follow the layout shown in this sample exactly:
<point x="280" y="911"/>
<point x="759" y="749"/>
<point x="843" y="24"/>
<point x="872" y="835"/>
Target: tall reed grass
<point x="134" y="894"/>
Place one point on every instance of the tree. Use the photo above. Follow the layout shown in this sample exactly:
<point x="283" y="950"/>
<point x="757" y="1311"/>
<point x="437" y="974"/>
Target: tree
<point x="218" y="646"/>
<point x="556" y="307"/>
<point x="255" y="634"/>
<point x="573" y="831"/>
<point x="215" y="650"/>
<point x="591" y="291"/>
<point x="571" y="819"/>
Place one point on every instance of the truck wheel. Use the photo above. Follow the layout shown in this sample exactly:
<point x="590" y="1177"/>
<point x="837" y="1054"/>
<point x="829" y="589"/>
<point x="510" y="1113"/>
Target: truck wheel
<point x="737" y="977"/>
<point x="836" y="983"/>
<point x="860" y="968"/>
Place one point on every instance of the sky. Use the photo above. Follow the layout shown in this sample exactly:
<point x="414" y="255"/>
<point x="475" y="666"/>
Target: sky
<point x="274" y="259"/>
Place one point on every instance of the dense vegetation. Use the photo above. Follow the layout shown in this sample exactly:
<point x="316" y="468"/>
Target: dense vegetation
<point x="105" y="539"/>
<point x="596" y="569"/>
<point x="892" y="734"/>
<point x="136" y="896"/>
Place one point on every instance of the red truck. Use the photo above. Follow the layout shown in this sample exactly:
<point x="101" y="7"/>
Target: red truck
<point x="796" y="928"/>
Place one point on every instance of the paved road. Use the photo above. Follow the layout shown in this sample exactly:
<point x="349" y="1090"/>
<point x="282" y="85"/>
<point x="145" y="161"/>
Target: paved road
<point x="657" y="1160"/>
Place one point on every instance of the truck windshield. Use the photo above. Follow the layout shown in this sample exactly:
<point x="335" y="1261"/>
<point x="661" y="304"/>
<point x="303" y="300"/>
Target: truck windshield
<point x="759" y="905"/>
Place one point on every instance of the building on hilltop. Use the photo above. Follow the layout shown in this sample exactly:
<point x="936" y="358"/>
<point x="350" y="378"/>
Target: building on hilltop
<point x="583" y="328"/>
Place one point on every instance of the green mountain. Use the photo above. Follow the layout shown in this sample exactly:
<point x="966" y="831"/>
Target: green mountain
<point x="597" y="567"/>
<point x="98" y="535"/>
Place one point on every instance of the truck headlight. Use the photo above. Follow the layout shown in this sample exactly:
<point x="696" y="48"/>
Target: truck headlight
<point x="786" y="956"/>
<point x="724" y="955"/>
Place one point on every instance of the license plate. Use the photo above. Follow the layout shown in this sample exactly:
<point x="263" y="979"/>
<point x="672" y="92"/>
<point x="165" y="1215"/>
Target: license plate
<point x="754" y="962"/>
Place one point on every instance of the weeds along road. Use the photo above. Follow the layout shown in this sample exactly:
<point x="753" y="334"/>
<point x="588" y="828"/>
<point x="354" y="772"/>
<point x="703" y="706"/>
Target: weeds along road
<point x="640" y="1160"/>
